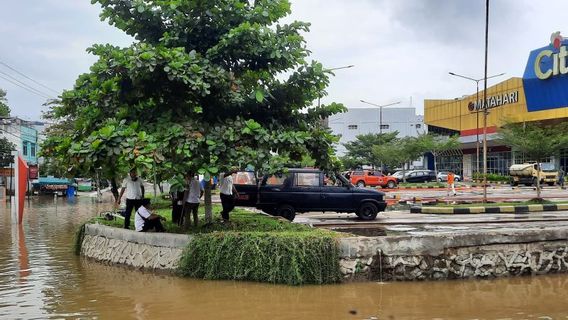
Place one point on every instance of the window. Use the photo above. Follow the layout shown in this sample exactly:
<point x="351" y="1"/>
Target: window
<point x="246" y="178"/>
<point x="33" y="150"/>
<point x="25" y="149"/>
<point x="276" y="180"/>
<point x="307" y="179"/>
<point x="418" y="126"/>
<point x="357" y="173"/>
<point x="352" y="127"/>
<point x="384" y="126"/>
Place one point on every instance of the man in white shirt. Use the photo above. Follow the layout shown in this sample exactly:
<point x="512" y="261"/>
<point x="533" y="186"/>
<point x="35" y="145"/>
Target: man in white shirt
<point x="146" y="220"/>
<point x="228" y="194"/>
<point x="191" y="203"/>
<point x="134" y="188"/>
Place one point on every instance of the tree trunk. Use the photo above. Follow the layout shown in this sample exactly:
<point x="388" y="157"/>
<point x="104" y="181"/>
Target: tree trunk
<point x="208" y="203"/>
<point x="435" y="167"/>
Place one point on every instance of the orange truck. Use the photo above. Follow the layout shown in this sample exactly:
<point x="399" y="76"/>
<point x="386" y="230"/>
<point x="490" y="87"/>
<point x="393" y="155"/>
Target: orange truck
<point x="363" y="178"/>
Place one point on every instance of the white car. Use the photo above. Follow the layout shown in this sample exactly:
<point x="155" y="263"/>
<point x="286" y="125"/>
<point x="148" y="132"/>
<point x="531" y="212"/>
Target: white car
<point x="443" y="176"/>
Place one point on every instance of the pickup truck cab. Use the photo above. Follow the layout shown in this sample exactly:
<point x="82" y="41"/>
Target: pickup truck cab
<point x="362" y="178"/>
<point x="305" y="190"/>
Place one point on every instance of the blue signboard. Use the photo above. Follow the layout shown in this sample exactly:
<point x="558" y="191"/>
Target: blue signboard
<point x="546" y="76"/>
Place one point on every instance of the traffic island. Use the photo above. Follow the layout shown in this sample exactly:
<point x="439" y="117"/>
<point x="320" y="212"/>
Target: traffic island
<point x="251" y="247"/>
<point x="476" y="209"/>
<point x="302" y="259"/>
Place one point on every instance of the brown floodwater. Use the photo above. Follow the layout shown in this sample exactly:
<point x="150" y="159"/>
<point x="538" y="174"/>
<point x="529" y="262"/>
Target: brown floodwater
<point x="41" y="278"/>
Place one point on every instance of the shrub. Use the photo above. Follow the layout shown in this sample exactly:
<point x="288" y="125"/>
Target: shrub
<point x="292" y="258"/>
<point x="492" y="177"/>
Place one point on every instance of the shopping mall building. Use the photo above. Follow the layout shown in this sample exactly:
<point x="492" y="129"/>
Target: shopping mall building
<point x="540" y="96"/>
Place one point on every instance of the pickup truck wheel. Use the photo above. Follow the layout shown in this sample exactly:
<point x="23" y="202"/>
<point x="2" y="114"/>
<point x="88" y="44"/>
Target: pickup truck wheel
<point x="361" y="184"/>
<point x="367" y="211"/>
<point x="286" y="211"/>
<point x="391" y="184"/>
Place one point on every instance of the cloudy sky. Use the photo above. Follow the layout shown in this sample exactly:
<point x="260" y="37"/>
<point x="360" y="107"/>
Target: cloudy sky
<point x="402" y="49"/>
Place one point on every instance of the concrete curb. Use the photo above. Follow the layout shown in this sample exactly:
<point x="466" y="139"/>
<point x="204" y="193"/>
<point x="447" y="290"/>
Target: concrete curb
<point x="496" y="209"/>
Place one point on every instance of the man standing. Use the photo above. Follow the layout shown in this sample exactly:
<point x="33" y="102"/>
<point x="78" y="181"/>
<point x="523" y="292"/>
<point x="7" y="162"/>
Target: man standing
<point x="191" y="200"/>
<point x="134" y="194"/>
<point x="451" y="186"/>
<point x="228" y="193"/>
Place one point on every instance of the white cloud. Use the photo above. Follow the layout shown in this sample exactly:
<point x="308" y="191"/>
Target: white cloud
<point x="400" y="48"/>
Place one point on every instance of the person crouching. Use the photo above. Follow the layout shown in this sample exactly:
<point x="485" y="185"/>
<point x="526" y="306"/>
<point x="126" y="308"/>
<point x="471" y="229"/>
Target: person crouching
<point x="146" y="220"/>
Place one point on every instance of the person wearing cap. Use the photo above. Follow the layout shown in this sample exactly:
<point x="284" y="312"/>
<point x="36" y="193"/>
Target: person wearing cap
<point x="145" y="220"/>
<point x="134" y="188"/>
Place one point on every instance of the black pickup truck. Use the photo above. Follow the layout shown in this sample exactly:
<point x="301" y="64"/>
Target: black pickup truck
<point x="305" y="190"/>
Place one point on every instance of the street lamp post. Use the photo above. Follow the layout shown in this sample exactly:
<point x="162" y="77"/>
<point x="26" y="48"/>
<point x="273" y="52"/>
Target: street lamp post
<point x="380" y="112"/>
<point x="332" y="69"/>
<point x="485" y="111"/>
<point x="476" y="110"/>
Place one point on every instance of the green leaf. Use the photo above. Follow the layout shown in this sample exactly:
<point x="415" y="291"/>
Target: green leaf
<point x="259" y="96"/>
<point x="140" y="8"/>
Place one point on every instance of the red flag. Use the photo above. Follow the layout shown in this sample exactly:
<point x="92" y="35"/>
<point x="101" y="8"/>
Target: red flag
<point x="22" y="172"/>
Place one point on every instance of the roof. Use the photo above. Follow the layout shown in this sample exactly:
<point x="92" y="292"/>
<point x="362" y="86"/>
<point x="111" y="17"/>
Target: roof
<point x="53" y="181"/>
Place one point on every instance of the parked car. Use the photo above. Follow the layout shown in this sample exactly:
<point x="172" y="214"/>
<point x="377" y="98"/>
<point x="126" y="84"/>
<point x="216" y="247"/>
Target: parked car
<point x="362" y="178"/>
<point x="304" y="190"/>
<point x="443" y="176"/>
<point x="420" y="176"/>
<point x="398" y="175"/>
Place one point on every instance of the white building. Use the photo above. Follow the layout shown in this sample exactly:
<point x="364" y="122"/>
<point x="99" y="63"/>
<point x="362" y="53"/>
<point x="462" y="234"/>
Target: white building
<point x="357" y="121"/>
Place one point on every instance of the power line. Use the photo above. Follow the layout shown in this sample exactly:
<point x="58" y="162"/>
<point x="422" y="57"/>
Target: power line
<point x="25" y="84"/>
<point x="23" y="87"/>
<point x="23" y="75"/>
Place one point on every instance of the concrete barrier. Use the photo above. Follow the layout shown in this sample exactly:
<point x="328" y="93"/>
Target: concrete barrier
<point x="466" y="254"/>
<point x="489" y="209"/>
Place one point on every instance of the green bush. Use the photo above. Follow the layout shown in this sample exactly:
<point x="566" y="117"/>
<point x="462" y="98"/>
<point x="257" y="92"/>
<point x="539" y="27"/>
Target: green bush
<point x="292" y="258"/>
<point x="492" y="177"/>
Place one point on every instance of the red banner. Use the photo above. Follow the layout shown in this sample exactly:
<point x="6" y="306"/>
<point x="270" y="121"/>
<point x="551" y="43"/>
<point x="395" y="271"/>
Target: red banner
<point x="22" y="186"/>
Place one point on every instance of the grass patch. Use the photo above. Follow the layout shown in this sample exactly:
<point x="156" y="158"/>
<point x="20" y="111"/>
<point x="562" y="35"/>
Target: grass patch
<point x="424" y="184"/>
<point x="254" y="247"/>
<point x="288" y="257"/>
<point x="241" y="220"/>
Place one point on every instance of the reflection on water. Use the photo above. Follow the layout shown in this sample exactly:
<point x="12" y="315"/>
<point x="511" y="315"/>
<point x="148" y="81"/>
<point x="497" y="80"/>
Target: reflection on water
<point x="41" y="278"/>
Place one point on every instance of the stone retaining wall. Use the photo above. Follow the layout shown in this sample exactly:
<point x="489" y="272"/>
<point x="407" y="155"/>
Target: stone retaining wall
<point x="150" y="251"/>
<point x="478" y="254"/>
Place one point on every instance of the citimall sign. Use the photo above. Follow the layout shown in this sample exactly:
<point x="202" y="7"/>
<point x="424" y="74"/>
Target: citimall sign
<point x="545" y="80"/>
<point x="495" y="101"/>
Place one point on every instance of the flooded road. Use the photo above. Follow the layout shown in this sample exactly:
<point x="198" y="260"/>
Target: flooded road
<point x="41" y="278"/>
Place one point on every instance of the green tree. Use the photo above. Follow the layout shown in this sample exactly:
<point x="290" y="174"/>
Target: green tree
<point x="360" y="150"/>
<point x="537" y="141"/>
<point x="399" y="152"/>
<point x="206" y="86"/>
<point x="436" y="145"/>
<point x="4" y="108"/>
<point x="6" y="148"/>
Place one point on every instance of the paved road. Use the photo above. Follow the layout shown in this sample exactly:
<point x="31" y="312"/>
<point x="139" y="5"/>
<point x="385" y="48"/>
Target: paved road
<point x="403" y="222"/>
<point x="497" y="193"/>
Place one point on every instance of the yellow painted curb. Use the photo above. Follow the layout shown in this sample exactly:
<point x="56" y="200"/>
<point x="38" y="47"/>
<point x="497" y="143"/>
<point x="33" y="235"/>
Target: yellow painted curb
<point x="476" y="209"/>
<point x="507" y="209"/>
<point x="446" y="210"/>
<point x="535" y="207"/>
